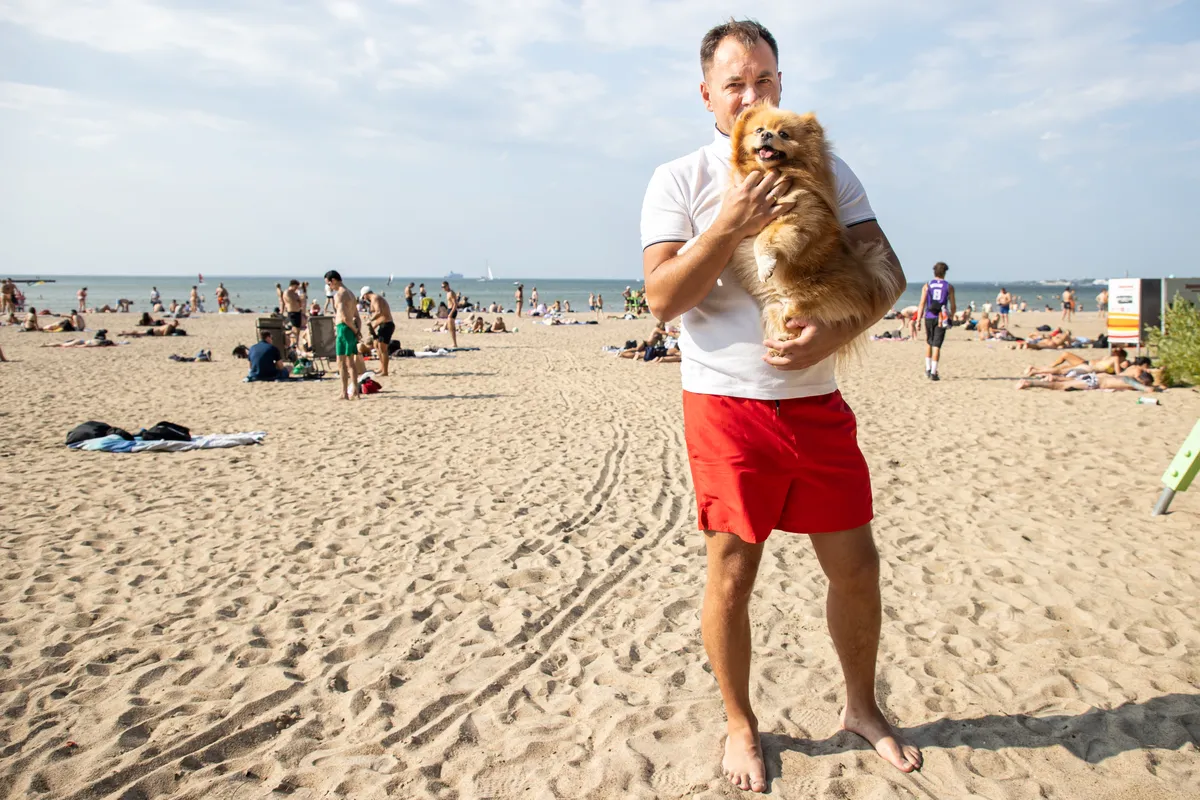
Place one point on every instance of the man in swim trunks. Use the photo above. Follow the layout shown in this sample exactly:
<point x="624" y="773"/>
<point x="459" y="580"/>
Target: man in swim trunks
<point x="771" y="443"/>
<point x="1004" y="302"/>
<point x="381" y="324"/>
<point x="408" y="300"/>
<point x="292" y="306"/>
<point x="349" y="323"/>
<point x="452" y="307"/>
<point x="936" y="297"/>
<point x="81" y="295"/>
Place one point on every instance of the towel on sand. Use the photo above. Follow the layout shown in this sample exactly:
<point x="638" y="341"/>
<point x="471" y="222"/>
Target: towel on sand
<point x="115" y="444"/>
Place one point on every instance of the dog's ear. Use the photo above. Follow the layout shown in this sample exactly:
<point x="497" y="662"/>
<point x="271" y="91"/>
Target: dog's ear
<point x="811" y="126"/>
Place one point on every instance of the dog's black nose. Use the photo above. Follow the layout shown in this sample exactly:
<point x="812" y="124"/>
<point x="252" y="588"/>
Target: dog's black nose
<point x="767" y="136"/>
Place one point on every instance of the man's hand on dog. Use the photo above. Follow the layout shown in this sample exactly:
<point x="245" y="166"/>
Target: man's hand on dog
<point x="814" y="342"/>
<point x="749" y="206"/>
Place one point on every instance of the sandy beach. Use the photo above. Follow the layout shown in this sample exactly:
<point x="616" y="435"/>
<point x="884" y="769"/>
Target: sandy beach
<point x="485" y="582"/>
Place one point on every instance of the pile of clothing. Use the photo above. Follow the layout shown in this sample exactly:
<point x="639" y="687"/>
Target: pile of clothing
<point x="93" y="435"/>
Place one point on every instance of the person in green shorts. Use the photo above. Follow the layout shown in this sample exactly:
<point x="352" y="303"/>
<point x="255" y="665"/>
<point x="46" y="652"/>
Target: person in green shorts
<point x="349" y="324"/>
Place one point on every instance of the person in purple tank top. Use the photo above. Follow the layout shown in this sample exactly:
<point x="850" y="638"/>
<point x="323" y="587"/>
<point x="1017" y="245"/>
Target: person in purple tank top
<point x="937" y="308"/>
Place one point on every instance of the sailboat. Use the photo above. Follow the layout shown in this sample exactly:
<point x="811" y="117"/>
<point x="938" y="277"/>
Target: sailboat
<point x="490" y="276"/>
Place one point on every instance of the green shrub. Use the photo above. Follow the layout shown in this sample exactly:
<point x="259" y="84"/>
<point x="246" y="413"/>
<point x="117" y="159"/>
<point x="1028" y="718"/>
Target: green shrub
<point x="1179" y="348"/>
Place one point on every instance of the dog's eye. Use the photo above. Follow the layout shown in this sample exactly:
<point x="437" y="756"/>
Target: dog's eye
<point x="758" y="130"/>
<point x="784" y="135"/>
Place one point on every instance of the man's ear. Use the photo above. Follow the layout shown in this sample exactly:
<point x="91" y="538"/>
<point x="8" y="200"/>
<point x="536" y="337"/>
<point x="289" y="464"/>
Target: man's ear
<point x="704" y="93"/>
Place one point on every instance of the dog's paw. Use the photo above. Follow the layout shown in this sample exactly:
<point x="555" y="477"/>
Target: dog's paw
<point x="766" y="265"/>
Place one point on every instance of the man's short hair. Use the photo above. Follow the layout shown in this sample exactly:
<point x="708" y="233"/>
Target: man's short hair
<point x="746" y="32"/>
<point x="333" y="275"/>
<point x="939" y="269"/>
<point x="265" y="336"/>
<point x="293" y="282"/>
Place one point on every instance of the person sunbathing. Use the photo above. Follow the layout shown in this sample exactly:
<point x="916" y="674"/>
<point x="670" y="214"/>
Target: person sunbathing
<point x="147" y="321"/>
<point x="170" y="329"/>
<point x="1142" y="381"/>
<point x="1074" y="365"/>
<point x="498" y="326"/>
<point x="1056" y="341"/>
<point x="31" y="321"/>
<point x="478" y="324"/>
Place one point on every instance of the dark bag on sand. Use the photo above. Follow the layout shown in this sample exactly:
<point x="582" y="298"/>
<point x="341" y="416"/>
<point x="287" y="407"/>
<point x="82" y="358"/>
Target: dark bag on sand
<point x="1101" y="342"/>
<point x="95" y="430"/>
<point x="630" y="344"/>
<point x="166" y="431"/>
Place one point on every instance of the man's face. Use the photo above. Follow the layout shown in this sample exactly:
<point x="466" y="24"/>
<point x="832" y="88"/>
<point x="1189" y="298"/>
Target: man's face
<point x="737" y="79"/>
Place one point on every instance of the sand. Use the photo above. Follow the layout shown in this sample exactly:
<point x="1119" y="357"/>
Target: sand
<point x="485" y="583"/>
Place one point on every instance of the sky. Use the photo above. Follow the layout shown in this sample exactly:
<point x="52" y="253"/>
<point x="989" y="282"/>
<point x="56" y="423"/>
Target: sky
<point x="1029" y="139"/>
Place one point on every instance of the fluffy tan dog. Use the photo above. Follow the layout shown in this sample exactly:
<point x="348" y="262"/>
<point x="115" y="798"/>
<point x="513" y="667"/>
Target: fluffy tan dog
<point x="802" y="265"/>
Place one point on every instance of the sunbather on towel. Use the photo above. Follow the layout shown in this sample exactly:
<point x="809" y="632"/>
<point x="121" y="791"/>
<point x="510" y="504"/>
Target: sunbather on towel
<point x="1143" y="381"/>
<point x="170" y="329"/>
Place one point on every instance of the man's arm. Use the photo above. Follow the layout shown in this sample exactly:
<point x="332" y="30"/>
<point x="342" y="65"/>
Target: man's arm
<point x="924" y="300"/>
<point x="816" y="342"/>
<point x="676" y="282"/>
<point x="951" y="299"/>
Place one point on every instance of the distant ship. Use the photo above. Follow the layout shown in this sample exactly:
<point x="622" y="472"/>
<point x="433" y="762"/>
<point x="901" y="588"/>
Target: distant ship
<point x="453" y="276"/>
<point x="1054" y="283"/>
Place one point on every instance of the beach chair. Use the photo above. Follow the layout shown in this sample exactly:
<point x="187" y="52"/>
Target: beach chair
<point x="278" y="334"/>
<point x="321" y="337"/>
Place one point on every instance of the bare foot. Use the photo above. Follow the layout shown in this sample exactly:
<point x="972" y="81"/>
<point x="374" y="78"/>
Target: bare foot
<point x="879" y="733"/>
<point x="1024" y="384"/>
<point x="743" y="761"/>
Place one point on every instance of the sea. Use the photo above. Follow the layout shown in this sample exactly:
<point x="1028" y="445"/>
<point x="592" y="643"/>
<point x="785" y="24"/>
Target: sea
<point x="58" y="292"/>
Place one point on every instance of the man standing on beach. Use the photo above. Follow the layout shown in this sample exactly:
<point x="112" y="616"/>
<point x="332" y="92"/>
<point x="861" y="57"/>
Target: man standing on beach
<point x="381" y="325"/>
<point x="1004" y="302"/>
<point x="452" y="305"/>
<point x="1102" y="303"/>
<point x="155" y="297"/>
<point x="194" y="300"/>
<point x="771" y="443"/>
<point x="937" y="307"/>
<point x="348" y="326"/>
<point x="81" y="295"/>
<point x="408" y="300"/>
<point x="291" y="304"/>
<point x="520" y="297"/>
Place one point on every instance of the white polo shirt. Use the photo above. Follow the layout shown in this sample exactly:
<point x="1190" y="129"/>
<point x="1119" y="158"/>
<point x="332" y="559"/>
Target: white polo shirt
<point x="721" y="338"/>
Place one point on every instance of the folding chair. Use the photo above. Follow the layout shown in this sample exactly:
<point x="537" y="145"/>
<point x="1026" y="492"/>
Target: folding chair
<point x="321" y="337"/>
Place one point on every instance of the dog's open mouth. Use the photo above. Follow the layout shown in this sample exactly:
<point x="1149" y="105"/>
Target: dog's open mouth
<point x="768" y="153"/>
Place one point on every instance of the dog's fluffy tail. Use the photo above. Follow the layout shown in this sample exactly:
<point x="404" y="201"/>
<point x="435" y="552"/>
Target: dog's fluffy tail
<point x="870" y="258"/>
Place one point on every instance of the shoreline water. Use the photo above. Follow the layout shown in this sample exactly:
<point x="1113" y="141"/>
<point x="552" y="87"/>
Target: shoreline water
<point x="258" y="293"/>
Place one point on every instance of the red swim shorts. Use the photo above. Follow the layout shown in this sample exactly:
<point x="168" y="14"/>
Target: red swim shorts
<point x="762" y="465"/>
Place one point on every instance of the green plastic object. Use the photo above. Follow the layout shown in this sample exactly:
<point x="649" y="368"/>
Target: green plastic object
<point x="1186" y="464"/>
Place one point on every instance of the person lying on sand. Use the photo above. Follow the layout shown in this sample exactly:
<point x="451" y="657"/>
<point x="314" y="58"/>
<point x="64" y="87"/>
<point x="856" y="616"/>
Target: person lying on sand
<point x="1057" y="341"/>
<point x="1143" y="381"/>
<point x="170" y="329"/>
<point x="478" y="324"/>
<point x="498" y="326"/>
<point x="1074" y="365"/>
<point x="147" y="321"/>
<point x="31" y="321"/>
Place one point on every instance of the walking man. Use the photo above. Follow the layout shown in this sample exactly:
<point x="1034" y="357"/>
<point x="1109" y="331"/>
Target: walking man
<point x="381" y="325"/>
<point x="937" y="308"/>
<point x="348" y="326"/>
<point x="771" y="443"/>
<point x="452" y="305"/>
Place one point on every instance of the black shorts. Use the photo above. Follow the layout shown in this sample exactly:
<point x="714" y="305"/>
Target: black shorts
<point x="408" y="302"/>
<point x="384" y="332"/>
<point x="295" y="318"/>
<point x="934" y="334"/>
